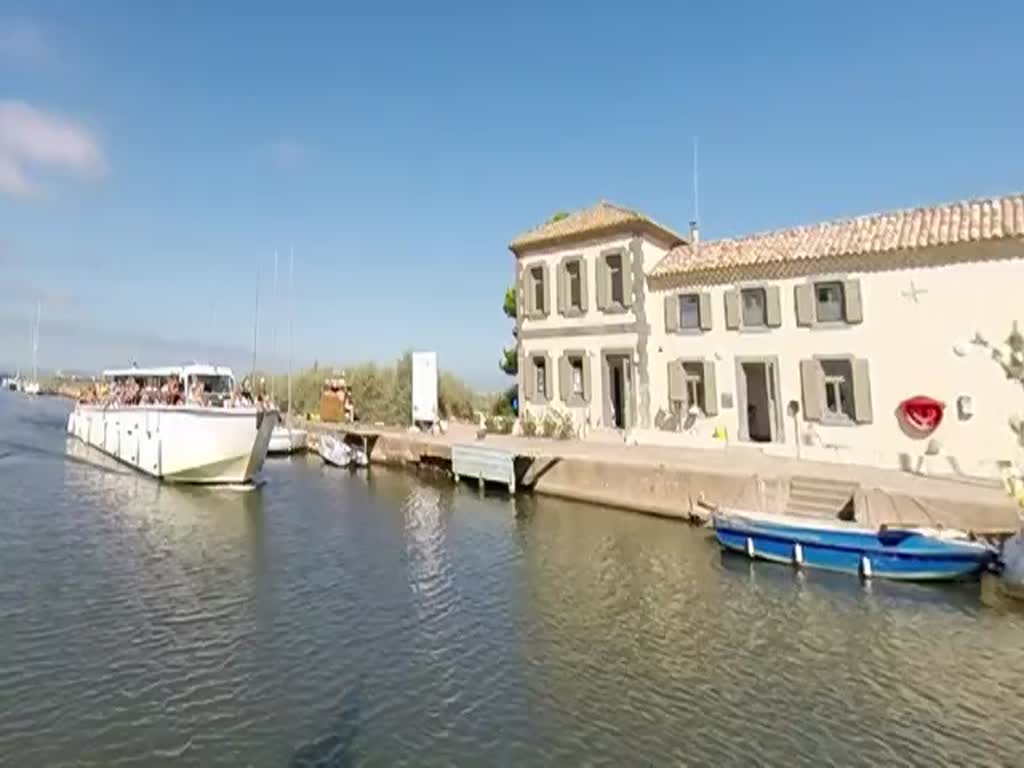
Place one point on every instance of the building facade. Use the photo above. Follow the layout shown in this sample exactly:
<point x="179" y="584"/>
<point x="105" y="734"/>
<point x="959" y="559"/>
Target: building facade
<point x="855" y="340"/>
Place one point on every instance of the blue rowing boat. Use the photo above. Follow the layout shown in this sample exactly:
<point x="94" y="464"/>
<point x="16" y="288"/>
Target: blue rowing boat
<point x="887" y="553"/>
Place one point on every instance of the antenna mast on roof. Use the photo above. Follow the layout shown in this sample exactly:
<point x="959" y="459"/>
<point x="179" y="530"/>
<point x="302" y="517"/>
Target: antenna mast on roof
<point x="694" y="224"/>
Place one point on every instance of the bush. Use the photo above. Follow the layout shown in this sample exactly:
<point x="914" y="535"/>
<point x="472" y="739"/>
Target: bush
<point x="528" y="424"/>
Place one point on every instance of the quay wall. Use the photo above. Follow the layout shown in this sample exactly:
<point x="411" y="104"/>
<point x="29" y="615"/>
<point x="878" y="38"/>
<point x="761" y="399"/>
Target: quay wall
<point x="685" y="491"/>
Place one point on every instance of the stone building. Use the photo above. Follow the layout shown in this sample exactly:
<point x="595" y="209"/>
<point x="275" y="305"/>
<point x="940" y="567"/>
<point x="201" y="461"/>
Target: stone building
<point x="854" y="340"/>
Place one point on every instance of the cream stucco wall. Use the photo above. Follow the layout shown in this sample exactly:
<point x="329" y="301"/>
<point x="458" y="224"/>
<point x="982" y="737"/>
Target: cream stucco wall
<point x="916" y="334"/>
<point x="593" y="332"/>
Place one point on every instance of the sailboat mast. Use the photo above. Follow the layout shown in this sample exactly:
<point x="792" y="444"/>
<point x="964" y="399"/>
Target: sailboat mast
<point x="35" y="342"/>
<point x="291" y="293"/>
<point x="273" y="329"/>
<point x="255" y="332"/>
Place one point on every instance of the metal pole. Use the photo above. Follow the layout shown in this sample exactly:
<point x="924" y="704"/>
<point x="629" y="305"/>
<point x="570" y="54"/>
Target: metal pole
<point x="255" y="332"/>
<point x="291" y="294"/>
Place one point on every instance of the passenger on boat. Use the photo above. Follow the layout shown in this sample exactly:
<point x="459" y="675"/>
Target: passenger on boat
<point x="198" y="393"/>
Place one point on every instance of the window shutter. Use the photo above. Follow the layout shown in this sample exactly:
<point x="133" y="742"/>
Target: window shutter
<point x="601" y="272"/>
<point x="851" y="298"/>
<point x="546" y="309"/>
<point x="861" y="391"/>
<point x="529" y="379"/>
<point x="811" y="383"/>
<point x="710" y="389"/>
<point x="676" y="383"/>
<point x="732" y="310"/>
<point x="562" y="289"/>
<point x="803" y="295"/>
<point x="672" y="314"/>
<point x="627" y="279"/>
<point x="584" y="279"/>
<point x="548" y="387"/>
<point x="563" y="378"/>
<point x="705" y="311"/>
<point x="586" y="378"/>
<point x="773" y="307"/>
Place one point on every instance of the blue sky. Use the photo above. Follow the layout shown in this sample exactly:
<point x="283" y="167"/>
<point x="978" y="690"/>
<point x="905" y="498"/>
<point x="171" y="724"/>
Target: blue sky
<point x="166" y="150"/>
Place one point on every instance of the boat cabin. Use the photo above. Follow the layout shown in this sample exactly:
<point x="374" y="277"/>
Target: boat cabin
<point x="199" y="385"/>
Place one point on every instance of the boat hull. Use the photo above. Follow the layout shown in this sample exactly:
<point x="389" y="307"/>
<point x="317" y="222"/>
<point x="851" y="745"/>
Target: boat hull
<point x="180" y="444"/>
<point x="284" y="440"/>
<point x="907" y="555"/>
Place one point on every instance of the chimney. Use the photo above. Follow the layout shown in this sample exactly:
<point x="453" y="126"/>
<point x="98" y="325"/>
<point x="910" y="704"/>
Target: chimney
<point x="694" y="233"/>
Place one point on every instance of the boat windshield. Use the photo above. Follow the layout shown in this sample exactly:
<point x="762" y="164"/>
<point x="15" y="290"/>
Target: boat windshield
<point x="214" y="385"/>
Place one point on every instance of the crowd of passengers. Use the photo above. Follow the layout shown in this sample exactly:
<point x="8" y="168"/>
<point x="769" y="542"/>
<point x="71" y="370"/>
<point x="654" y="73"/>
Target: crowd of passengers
<point x="170" y="392"/>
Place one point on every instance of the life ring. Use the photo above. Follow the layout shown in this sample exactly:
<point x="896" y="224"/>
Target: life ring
<point x="922" y="414"/>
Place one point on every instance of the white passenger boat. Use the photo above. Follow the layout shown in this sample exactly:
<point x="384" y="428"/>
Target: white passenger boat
<point x="209" y="441"/>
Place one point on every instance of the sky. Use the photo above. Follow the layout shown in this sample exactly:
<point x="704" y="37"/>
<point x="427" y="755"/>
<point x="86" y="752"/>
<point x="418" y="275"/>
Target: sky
<point x="154" y="156"/>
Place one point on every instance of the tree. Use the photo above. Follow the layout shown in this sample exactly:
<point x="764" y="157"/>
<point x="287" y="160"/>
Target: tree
<point x="509" y="361"/>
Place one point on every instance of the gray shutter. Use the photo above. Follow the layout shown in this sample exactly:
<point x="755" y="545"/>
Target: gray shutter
<point x="732" y="310"/>
<point x="564" y="377"/>
<point x="773" y="307"/>
<point x="529" y="379"/>
<point x="710" y="389"/>
<point x="546" y="309"/>
<point x="601" y="273"/>
<point x="561" y="289"/>
<point x="586" y="378"/>
<point x="851" y="298"/>
<point x="676" y="384"/>
<point x="548" y="387"/>
<point x="861" y="391"/>
<point x="811" y="384"/>
<point x="584" y="279"/>
<point x="627" y="279"/>
<point x="803" y="296"/>
<point x="521" y="293"/>
<point x="672" y="313"/>
<point x="705" y="311"/>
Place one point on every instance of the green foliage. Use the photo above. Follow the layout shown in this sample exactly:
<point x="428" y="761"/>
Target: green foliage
<point x="502" y="404"/>
<point x="528" y="424"/>
<point x="501" y="425"/>
<point x="509" y="362"/>
<point x="510" y="305"/>
<point x="380" y="393"/>
<point x="558" y="216"/>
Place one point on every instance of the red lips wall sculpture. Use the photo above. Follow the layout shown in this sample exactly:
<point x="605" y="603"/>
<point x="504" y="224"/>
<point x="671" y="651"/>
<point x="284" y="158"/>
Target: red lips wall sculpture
<point x="922" y="414"/>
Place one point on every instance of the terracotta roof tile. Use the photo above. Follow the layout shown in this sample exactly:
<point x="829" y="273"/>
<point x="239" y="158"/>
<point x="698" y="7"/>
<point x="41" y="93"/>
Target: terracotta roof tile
<point x="874" y="235"/>
<point x="604" y="217"/>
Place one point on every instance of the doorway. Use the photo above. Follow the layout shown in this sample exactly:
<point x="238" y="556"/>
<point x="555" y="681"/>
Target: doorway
<point x="618" y="374"/>
<point x="759" y="403"/>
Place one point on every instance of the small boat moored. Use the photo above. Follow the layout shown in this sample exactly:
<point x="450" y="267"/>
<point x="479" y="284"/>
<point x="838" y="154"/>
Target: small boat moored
<point x="909" y="554"/>
<point x="340" y="454"/>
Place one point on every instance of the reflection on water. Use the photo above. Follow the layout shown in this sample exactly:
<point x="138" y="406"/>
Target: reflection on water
<point x="332" y="618"/>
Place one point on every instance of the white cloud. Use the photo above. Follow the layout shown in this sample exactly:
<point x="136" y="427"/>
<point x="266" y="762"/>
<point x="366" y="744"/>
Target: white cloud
<point x="23" y="42"/>
<point x="31" y="139"/>
<point x="287" y="154"/>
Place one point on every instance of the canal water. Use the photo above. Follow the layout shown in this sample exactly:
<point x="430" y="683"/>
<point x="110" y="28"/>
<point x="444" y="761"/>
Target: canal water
<point x="381" y="619"/>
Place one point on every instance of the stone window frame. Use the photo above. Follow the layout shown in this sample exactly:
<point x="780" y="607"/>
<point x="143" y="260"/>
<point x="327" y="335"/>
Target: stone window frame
<point x="852" y="295"/>
<point x="708" y="384"/>
<point x="673" y="313"/>
<point x="772" y="292"/>
<point x="530" y="288"/>
<point x="603" y="281"/>
<point x="562" y="285"/>
<point x="532" y="394"/>
<point x="858" y="367"/>
<point x="569" y="397"/>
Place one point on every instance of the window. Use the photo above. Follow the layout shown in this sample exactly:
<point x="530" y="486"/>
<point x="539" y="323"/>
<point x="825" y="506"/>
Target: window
<point x="576" y="376"/>
<point x="538" y="288"/>
<point x="689" y="311"/>
<point x="540" y="378"/>
<point x="573" y="276"/>
<point x="828" y="302"/>
<point x="693" y="378"/>
<point x="754" y="306"/>
<point x="838" y="379"/>
<point x="614" y="262"/>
